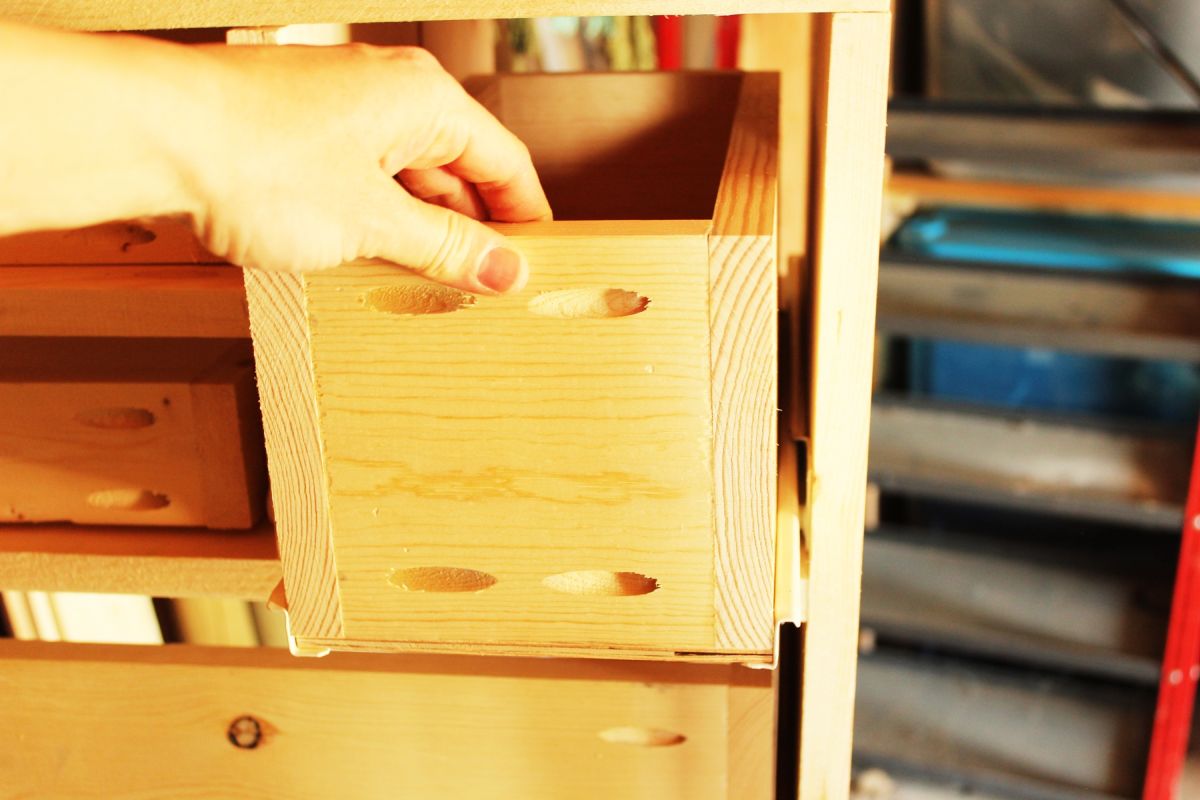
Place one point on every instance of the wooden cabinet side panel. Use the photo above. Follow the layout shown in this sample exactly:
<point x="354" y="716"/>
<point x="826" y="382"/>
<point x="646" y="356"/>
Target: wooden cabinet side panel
<point x="850" y="93"/>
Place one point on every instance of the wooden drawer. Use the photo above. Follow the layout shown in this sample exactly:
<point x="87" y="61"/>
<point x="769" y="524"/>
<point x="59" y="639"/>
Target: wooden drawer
<point x="258" y="723"/>
<point x="129" y="431"/>
<point x="586" y="466"/>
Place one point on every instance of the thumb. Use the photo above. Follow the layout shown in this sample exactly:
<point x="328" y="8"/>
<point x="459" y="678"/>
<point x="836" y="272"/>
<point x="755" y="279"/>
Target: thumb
<point x="443" y="245"/>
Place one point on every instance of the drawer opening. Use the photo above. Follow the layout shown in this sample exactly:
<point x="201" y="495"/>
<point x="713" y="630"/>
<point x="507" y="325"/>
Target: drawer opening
<point x="612" y="146"/>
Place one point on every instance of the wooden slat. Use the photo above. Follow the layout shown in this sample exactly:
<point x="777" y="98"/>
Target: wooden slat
<point x="154" y="722"/>
<point x="147" y="241"/>
<point x="134" y="15"/>
<point x="162" y="562"/>
<point x="744" y="369"/>
<point x="932" y="189"/>
<point x="849" y="95"/>
<point x="127" y="301"/>
<point x="1101" y="472"/>
<point x="1125" y="316"/>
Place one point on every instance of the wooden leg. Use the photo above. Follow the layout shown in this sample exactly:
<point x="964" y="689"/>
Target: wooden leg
<point x="849" y="93"/>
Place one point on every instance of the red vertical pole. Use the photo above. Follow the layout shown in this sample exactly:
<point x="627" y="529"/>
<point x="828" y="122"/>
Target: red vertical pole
<point x="1181" y="661"/>
<point x="668" y="31"/>
<point x="729" y="32"/>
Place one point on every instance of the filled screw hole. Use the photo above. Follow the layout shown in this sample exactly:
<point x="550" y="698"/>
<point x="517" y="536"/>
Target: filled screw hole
<point x="128" y="500"/>
<point x="642" y="737"/>
<point x="588" y="303"/>
<point x="601" y="582"/>
<point x="412" y="299"/>
<point x="440" y="579"/>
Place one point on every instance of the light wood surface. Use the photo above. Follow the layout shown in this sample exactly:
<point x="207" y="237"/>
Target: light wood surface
<point x="850" y="89"/>
<point x="162" y="562"/>
<point x="128" y="431"/>
<point x="134" y="301"/>
<point x="531" y="436"/>
<point x="133" y="15"/>
<point x="744" y="367"/>
<point x="153" y="722"/>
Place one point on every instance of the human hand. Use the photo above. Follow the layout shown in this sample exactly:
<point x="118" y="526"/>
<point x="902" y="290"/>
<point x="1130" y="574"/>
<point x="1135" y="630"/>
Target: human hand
<point x="298" y="171"/>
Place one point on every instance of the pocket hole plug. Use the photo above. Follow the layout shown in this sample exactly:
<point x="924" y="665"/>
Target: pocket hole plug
<point x="588" y="303"/>
<point x="128" y="500"/>
<point x="412" y="299"/>
<point x="642" y="737"/>
<point x="601" y="582"/>
<point x="440" y="579"/>
<point x="117" y="418"/>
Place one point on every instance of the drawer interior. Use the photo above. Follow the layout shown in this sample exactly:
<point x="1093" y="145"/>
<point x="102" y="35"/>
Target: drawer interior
<point x="621" y="145"/>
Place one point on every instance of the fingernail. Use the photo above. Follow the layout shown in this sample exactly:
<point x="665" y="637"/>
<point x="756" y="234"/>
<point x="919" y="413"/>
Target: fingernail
<point x="502" y="270"/>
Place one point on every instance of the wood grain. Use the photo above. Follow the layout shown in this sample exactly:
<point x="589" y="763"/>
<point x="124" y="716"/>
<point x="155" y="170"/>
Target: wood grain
<point x="162" y="562"/>
<point x="850" y="95"/>
<point x="134" y="15"/>
<point x="89" y="423"/>
<point x="152" y="722"/>
<point x="145" y="241"/>
<point x="744" y="368"/>
<point x="133" y="301"/>
<point x="295" y="458"/>
<point x="525" y="446"/>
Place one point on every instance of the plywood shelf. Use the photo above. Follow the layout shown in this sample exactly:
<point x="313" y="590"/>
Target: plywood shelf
<point x="162" y="562"/>
<point x="129" y="15"/>
<point x="1121" y="473"/>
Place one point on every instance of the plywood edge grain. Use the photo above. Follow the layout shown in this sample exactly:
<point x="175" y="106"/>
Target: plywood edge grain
<point x="850" y="92"/>
<point x="761" y="658"/>
<point x="743" y="360"/>
<point x="295" y="458"/>
<point x="131" y="15"/>
<point x="162" y="562"/>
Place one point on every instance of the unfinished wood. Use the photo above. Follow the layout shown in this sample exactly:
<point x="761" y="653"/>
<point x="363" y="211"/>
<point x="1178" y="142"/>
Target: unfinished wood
<point x="411" y="726"/>
<point x="1140" y="317"/>
<point x="743" y="367"/>
<point x="928" y="189"/>
<point x="134" y="301"/>
<point x="215" y="621"/>
<point x="462" y="47"/>
<point x="620" y="146"/>
<point x="1106" y="472"/>
<point x="295" y="457"/>
<point x="849" y="93"/>
<point x="147" y="241"/>
<point x="161" y="562"/>
<point x="229" y="440"/>
<point x="572" y="443"/>
<point x="130" y="15"/>
<point x="127" y="431"/>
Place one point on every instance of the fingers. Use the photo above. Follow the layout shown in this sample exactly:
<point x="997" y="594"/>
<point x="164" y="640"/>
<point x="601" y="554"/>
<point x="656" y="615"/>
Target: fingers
<point x="442" y="187"/>
<point x="441" y="244"/>
<point x="468" y="141"/>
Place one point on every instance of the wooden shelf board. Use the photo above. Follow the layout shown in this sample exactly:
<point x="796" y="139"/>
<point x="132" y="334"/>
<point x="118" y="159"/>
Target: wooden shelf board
<point x="131" y="15"/>
<point x="1138" y="317"/>
<point x="162" y="562"/>
<point x="1093" y="471"/>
